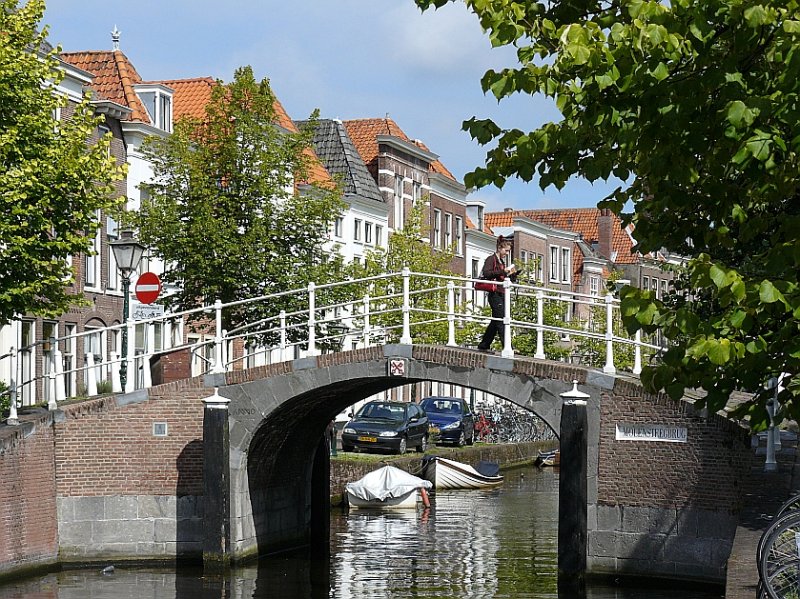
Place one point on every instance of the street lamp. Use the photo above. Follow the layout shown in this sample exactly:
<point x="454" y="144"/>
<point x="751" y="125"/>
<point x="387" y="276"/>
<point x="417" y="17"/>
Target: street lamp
<point x="127" y="253"/>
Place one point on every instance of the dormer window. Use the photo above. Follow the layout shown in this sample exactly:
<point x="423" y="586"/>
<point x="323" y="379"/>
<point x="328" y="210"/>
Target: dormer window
<point x="157" y="100"/>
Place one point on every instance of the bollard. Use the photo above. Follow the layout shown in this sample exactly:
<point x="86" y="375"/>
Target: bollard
<point x="572" y="488"/>
<point x="216" y="485"/>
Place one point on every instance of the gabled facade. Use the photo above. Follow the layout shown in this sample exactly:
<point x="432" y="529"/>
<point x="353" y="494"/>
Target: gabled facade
<point x="365" y="223"/>
<point x="96" y="276"/>
<point x="407" y="173"/>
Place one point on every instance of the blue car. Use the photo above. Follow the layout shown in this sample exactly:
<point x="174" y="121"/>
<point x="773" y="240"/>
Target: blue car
<point x="450" y="419"/>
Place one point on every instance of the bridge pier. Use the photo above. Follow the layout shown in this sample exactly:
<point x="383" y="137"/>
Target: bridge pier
<point x="320" y="525"/>
<point x="216" y="485"/>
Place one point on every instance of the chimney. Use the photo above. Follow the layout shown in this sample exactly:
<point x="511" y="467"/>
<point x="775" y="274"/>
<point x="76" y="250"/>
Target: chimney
<point x="508" y="210"/>
<point x="605" y="232"/>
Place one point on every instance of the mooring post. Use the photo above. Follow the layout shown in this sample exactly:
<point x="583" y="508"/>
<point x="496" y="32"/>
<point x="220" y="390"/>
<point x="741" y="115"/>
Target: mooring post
<point x="216" y="484"/>
<point x="572" y="495"/>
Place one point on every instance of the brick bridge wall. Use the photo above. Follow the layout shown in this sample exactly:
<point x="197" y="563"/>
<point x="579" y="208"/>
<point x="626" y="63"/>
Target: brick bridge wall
<point x="28" y="523"/>
<point x="123" y="491"/>
<point x="117" y="491"/>
<point x="666" y="509"/>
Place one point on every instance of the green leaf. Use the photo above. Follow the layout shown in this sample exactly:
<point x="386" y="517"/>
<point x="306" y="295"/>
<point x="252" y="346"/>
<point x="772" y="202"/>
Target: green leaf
<point x="768" y="293"/>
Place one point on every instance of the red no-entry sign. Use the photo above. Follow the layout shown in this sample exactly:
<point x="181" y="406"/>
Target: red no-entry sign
<point x="148" y="286"/>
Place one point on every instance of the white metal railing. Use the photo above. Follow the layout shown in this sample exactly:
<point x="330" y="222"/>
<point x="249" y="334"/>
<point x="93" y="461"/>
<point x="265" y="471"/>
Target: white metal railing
<point x="393" y="315"/>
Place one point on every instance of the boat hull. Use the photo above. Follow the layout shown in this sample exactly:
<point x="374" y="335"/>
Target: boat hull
<point x="449" y="474"/>
<point x="403" y="502"/>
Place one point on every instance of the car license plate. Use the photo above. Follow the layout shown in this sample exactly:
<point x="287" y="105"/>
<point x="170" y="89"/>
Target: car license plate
<point x="433" y="429"/>
<point x="368" y="439"/>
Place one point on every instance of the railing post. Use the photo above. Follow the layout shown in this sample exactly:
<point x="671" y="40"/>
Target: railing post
<point x="312" y="320"/>
<point x="637" y="355"/>
<point x="609" y="366"/>
<point x="13" y="419"/>
<point x="451" y="314"/>
<point x="58" y="376"/>
<point x="116" y="384"/>
<point x="282" y="342"/>
<point x="405" y="339"/>
<point x="366" y="321"/>
<point x="539" y="325"/>
<point x="507" y="351"/>
<point x="219" y="362"/>
<point x="147" y="376"/>
<point x="91" y="376"/>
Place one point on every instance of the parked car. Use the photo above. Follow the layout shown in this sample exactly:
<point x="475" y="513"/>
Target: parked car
<point x="387" y="425"/>
<point x="451" y="419"/>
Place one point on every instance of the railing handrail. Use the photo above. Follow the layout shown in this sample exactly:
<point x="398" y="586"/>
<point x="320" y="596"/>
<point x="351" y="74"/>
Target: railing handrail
<point x="358" y="317"/>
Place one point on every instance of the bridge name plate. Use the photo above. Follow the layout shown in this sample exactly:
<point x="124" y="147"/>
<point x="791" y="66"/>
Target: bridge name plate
<point x="651" y="432"/>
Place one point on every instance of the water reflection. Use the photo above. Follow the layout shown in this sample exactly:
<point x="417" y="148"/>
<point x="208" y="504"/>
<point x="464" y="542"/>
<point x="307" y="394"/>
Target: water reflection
<point x="471" y="544"/>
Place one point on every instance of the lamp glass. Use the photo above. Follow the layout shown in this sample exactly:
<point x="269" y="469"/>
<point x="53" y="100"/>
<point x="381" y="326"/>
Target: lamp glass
<point x="127" y="252"/>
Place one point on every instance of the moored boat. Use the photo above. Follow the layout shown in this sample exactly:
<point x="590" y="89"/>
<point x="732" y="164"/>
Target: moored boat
<point x="449" y="474"/>
<point x="387" y="488"/>
<point x="548" y="458"/>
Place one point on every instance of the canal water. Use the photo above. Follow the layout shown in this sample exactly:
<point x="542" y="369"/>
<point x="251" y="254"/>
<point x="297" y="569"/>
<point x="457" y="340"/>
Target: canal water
<point x="499" y="543"/>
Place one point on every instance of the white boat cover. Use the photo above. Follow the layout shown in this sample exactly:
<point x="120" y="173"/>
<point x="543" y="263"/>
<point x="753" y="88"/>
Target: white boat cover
<point x="386" y="482"/>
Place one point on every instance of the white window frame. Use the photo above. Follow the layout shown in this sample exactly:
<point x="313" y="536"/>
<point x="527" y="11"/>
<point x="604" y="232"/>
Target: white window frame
<point x="594" y="285"/>
<point x="448" y="230"/>
<point x="459" y="236"/>
<point x="338" y="225"/>
<point x="162" y="109"/>
<point x="367" y="232"/>
<point x="68" y="358"/>
<point x="92" y="261"/>
<point x="566" y="263"/>
<point x="113" y="279"/>
<point x="399" y="207"/>
<point x="357" y="229"/>
<point x="27" y="357"/>
<point x="554" y="263"/>
<point x="540" y="268"/>
<point x="437" y="228"/>
<point x="379" y="235"/>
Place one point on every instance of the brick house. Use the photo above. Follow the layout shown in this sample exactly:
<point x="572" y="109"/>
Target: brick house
<point x="95" y="275"/>
<point x="407" y="173"/>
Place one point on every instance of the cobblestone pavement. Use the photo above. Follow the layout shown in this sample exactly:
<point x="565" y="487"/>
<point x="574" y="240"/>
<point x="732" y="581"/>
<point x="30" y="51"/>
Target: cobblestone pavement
<point x="764" y="494"/>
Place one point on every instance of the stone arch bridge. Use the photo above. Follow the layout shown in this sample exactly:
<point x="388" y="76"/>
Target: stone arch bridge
<point x="137" y="476"/>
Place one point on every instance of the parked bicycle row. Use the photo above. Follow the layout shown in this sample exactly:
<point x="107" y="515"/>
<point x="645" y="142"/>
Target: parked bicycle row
<point x="778" y="554"/>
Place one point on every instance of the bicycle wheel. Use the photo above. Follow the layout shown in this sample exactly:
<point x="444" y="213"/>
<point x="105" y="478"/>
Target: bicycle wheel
<point x="784" y="583"/>
<point x="779" y="545"/>
<point x="791" y="504"/>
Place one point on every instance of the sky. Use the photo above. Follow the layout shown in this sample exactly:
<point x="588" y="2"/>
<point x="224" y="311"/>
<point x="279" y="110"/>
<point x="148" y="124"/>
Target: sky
<point x="348" y="58"/>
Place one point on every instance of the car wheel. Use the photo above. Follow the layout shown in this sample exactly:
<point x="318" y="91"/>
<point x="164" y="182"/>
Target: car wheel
<point x="403" y="445"/>
<point x="471" y="439"/>
<point x="461" y="440"/>
<point x="423" y="444"/>
<point x="347" y="448"/>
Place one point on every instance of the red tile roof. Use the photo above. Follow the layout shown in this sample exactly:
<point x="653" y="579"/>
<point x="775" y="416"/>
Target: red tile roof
<point x="191" y="96"/>
<point x="364" y="134"/>
<point x="577" y="220"/>
<point x="114" y="78"/>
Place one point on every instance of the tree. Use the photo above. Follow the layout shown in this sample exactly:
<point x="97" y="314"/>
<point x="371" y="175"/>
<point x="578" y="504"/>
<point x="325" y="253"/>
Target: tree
<point x="694" y="105"/>
<point x="223" y="212"/>
<point x="52" y="183"/>
<point x="408" y="247"/>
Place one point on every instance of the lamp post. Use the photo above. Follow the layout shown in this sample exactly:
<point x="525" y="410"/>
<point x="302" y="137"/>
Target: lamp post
<point x="128" y="252"/>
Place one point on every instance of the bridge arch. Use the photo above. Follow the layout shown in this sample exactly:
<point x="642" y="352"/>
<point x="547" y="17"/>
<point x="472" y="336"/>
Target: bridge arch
<point x="278" y="416"/>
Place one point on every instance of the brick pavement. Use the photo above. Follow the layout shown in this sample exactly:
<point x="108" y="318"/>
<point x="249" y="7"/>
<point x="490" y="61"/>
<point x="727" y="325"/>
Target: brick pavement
<point x="764" y="494"/>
